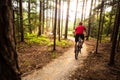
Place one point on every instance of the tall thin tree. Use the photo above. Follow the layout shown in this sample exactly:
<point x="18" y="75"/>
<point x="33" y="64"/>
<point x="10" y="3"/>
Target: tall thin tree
<point x="86" y="1"/>
<point x="54" y="47"/>
<point x="118" y="43"/>
<point x="114" y="42"/>
<point x="59" y="19"/>
<point x="102" y="25"/>
<point x="82" y="15"/>
<point x="29" y="21"/>
<point x="62" y="18"/>
<point x="67" y="18"/>
<point x="89" y="21"/>
<point x="98" y="36"/>
<point x="43" y="15"/>
<point x="75" y="14"/>
<point x="114" y="23"/>
<point x="40" y="18"/>
<point x="21" y="21"/>
<point x="47" y="8"/>
<point x="53" y="15"/>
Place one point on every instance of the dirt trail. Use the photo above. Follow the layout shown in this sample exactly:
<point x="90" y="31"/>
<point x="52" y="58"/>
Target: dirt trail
<point x="60" y="68"/>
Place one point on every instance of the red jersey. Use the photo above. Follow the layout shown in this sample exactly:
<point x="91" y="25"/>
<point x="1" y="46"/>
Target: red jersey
<point x="79" y="29"/>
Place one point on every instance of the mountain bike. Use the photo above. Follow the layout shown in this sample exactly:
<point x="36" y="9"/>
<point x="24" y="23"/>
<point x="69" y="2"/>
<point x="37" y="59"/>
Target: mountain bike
<point x="78" y="48"/>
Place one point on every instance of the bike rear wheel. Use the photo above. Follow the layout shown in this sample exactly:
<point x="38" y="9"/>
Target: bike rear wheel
<point x="76" y="52"/>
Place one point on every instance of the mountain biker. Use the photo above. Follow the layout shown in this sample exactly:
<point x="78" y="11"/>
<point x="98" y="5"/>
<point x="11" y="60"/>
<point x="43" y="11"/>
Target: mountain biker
<point x="79" y="32"/>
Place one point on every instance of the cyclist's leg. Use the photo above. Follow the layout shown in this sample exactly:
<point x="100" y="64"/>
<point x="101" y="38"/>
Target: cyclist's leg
<point x="82" y="37"/>
<point x="76" y="40"/>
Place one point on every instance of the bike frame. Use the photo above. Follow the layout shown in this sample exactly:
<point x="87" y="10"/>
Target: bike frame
<point x="78" y="48"/>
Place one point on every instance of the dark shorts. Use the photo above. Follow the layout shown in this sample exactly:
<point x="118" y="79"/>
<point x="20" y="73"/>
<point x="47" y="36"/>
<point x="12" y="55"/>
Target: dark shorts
<point x="77" y="37"/>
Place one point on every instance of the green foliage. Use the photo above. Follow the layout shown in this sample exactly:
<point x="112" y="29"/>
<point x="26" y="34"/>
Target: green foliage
<point x="105" y="38"/>
<point x="50" y="44"/>
<point x="64" y="43"/>
<point x="94" y="27"/>
<point x="32" y="38"/>
<point x="44" y="40"/>
<point x="107" y="26"/>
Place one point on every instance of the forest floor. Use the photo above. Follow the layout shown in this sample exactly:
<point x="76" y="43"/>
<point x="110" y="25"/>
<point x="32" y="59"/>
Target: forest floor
<point x="95" y="66"/>
<point x="32" y="57"/>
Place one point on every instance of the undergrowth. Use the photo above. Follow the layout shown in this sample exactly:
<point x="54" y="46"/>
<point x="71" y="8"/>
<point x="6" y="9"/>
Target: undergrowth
<point x="45" y="40"/>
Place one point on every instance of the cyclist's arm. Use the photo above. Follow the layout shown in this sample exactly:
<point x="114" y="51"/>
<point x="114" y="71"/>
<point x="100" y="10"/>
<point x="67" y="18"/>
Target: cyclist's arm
<point x="74" y="32"/>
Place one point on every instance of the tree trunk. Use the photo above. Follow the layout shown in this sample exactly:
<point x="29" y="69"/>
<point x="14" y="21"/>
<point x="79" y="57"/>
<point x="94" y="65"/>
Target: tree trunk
<point x="59" y="18"/>
<point x="85" y="9"/>
<point x="114" y="42"/>
<point x="18" y="21"/>
<point x="82" y="10"/>
<point x="29" y="21"/>
<point x="98" y="36"/>
<point x="50" y="19"/>
<point x="75" y="14"/>
<point x="47" y="23"/>
<point x="89" y="23"/>
<point x="102" y="25"/>
<point x="118" y="42"/>
<point x="67" y="18"/>
<point x="54" y="47"/>
<point x="62" y="18"/>
<point x="43" y="16"/>
<point x="8" y="56"/>
<point x="21" y="21"/>
<point x="113" y="26"/>
<point x="40" y="19"/>
<point x="53" y="14"/>
<point x="14" y="30"/>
